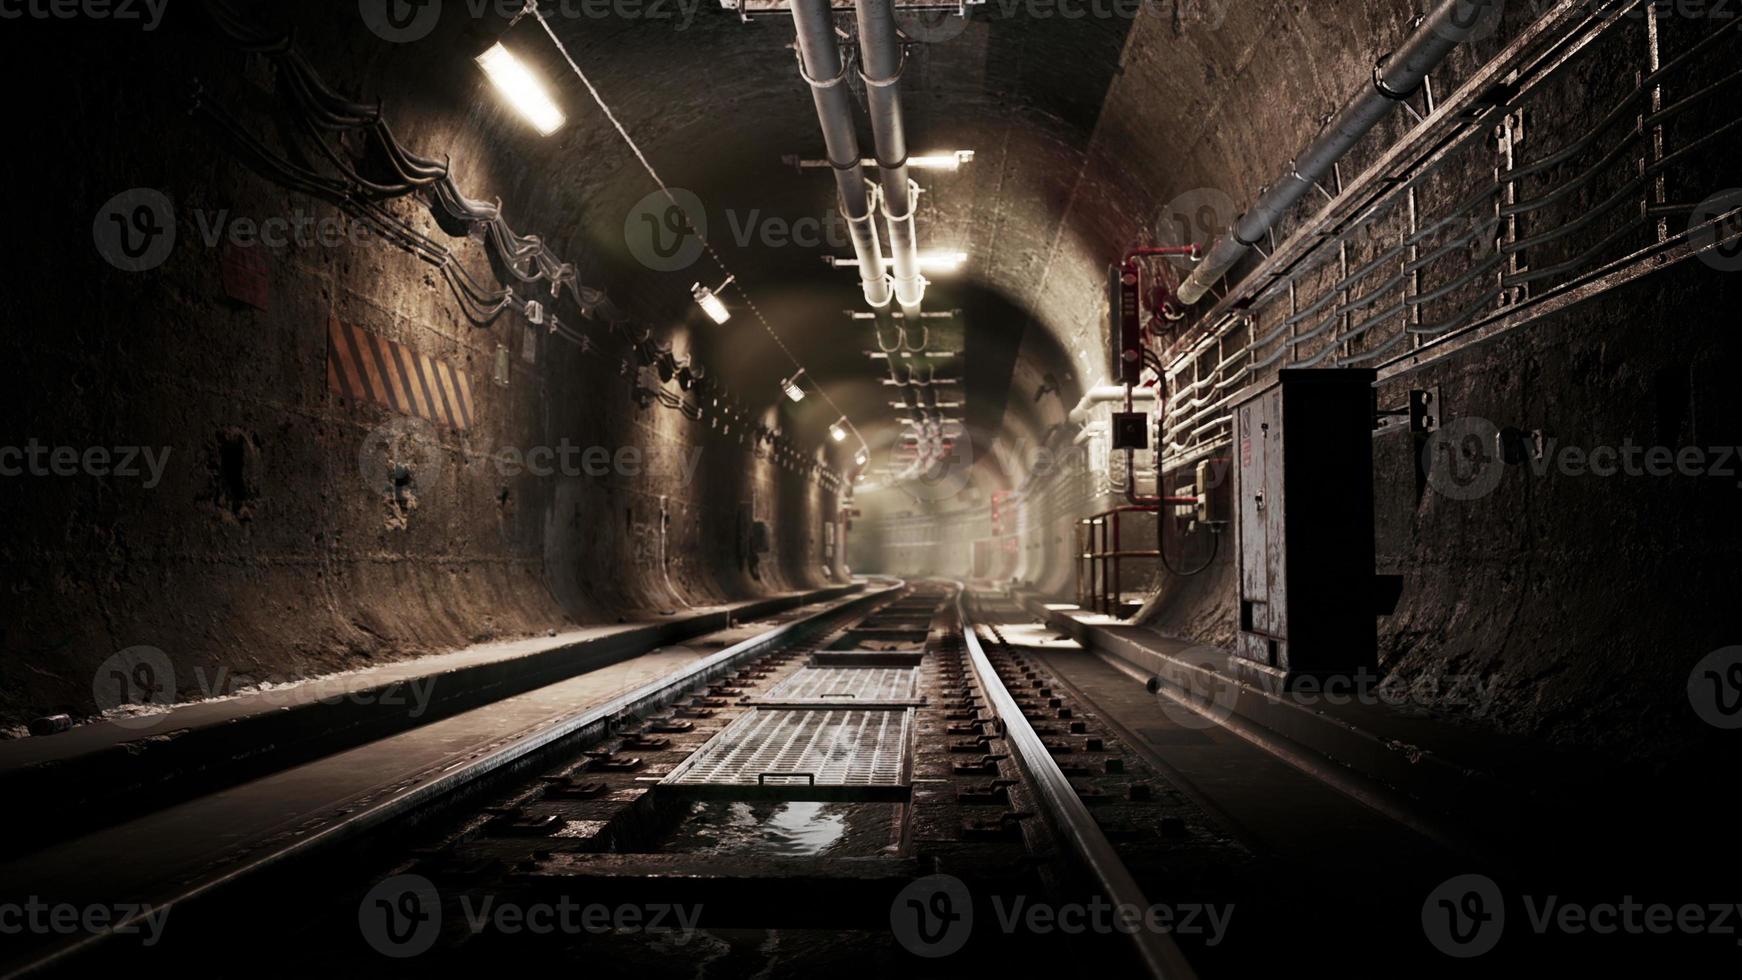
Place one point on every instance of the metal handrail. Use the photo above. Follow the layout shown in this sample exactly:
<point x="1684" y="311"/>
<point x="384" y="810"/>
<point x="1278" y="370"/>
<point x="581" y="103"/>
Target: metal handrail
<point x="1100" y="557"/>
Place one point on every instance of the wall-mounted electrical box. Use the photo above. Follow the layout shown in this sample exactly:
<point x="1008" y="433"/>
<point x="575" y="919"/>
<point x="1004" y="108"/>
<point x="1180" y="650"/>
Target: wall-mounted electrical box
<point x="1125" y="326"/>
<point x="1303" y="457"/>
<point x="1130" y="431"/>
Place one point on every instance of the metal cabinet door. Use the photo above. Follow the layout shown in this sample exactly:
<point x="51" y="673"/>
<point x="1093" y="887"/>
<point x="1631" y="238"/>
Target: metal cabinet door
<point x="1259" y="469"/>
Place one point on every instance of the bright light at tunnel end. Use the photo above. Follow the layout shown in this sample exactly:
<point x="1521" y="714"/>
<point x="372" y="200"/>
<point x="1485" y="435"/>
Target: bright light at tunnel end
<point x="522" y="89"/>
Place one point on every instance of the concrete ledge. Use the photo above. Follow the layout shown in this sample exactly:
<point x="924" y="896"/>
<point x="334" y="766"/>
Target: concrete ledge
<point x="101" y="772"/>
<point x="1411" y="765"/>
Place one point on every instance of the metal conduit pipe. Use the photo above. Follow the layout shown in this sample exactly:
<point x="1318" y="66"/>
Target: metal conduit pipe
<point x="1395" y="78"/>
<point x="825" y="70"/>
<point x="881" y="55"/>
<point x="1103" y="394"/>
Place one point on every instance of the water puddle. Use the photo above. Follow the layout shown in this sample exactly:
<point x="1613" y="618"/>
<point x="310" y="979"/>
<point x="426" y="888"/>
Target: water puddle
<point x="783" y="829"/>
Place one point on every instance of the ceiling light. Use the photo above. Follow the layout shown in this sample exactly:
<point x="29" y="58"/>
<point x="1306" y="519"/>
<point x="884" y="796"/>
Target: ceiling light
<point x="948" y="160"/>
<point x="522" y="88"/>
<point x="862" y="457"/>
<point x="790" y="386"/>
<point x="709" y="300"/>
<point x="942" y="261"/>
<point x="928" y="261"/>
<point x="838" y="431"/>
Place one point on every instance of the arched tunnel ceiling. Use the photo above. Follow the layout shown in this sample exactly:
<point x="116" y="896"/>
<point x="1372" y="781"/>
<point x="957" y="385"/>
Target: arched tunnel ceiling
<point x="1081" y="127"/>
<point x="717" y="106"/>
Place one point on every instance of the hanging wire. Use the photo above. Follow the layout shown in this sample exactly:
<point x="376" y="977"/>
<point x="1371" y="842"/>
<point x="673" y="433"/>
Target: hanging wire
<point x="737" y="281"/>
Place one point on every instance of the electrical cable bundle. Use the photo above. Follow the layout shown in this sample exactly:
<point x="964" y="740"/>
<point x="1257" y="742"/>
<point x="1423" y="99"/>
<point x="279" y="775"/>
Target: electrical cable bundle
<point x="318" y="113"/>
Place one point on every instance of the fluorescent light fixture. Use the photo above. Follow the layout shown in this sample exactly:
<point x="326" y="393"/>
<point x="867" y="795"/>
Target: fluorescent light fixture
<point x="948" y="160"/>
<point x="838" y="431"/>
<point x="522" y="89"/>
<point x="942" y="261"/>
<point x="710" y="302"/>
<point x="790" y="386"/>
<point x="928" y="261"/>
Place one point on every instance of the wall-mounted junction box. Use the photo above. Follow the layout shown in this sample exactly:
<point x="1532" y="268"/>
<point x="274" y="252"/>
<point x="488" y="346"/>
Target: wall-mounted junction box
<point x="1303" y="450"/>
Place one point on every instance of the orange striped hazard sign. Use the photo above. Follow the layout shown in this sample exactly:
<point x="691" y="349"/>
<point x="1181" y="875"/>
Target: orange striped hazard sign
<point x="362" y="366"/>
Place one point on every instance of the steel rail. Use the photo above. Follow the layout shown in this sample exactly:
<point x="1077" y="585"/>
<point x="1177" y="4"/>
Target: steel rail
<point x="1160" y="954"/>
<point x="443" y="777"/>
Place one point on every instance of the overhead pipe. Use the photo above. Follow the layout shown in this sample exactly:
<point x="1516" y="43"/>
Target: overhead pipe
<point x="882" y="59"/>
<point x="1395" y="78"/>
<point x="825" y="70"/>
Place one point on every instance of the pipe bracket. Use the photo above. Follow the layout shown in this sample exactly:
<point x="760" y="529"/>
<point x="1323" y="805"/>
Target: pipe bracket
<point x="912" y="206"/>
<point x="1385" y="91"/>
<point x="841" y="76"/>
<point x="900" y="69"/>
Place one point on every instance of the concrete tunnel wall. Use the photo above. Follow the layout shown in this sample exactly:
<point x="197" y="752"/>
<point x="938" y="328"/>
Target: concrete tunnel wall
<point x="1512" y="615"/>
<point x="1089" y="132"/>
<point x="274" y="544"/>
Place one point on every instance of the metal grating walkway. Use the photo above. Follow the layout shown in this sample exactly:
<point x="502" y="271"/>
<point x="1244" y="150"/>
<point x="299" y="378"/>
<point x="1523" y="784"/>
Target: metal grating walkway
<point x="815" y="753"/>
<point x="843" y="686"/>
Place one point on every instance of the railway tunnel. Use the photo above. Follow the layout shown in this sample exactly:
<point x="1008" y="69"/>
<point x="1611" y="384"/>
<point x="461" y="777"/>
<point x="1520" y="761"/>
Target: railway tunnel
<point x="1154" y="488"/>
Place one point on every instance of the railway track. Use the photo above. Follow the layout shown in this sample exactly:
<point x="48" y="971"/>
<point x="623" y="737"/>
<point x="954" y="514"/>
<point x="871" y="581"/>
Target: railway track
<point x="881" y="788"/>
